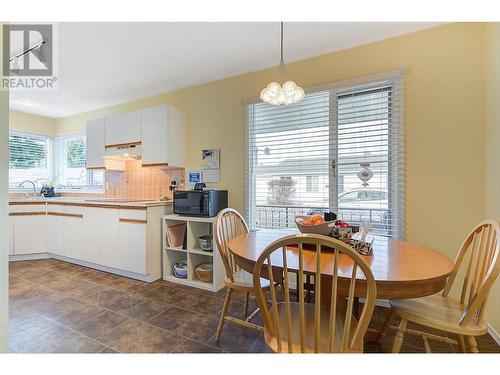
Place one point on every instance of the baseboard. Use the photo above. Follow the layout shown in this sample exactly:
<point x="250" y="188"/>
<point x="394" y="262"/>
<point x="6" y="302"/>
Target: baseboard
<point x="132" y="275"/>
<point x="13" y="258"/>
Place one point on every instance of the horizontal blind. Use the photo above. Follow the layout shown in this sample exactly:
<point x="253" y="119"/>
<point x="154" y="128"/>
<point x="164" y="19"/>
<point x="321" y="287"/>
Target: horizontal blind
<point x="69" y="160"/>
<point x="288" y="154"/>
<point x="28" y="159"/>
<point x="368" y="145"/>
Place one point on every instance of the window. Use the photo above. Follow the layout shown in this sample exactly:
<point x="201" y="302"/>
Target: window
<point x="341" y="150"/>
<point x="29" y="159"/>
<point x="69" y="164"/>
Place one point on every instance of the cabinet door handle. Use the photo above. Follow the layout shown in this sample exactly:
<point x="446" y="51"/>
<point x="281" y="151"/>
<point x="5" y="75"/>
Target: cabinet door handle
<point x="133" y="221"/>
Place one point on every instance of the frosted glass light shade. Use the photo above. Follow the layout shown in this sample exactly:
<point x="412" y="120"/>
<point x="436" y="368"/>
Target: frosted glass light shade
<point x="276" y="94"/>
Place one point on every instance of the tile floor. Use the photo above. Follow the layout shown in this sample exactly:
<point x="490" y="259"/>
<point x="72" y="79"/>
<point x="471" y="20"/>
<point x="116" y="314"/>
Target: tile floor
<point x="60" y="307"/>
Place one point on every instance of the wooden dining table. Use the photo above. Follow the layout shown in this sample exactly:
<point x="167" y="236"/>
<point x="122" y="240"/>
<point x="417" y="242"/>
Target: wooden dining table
<point x="401" y="269"/>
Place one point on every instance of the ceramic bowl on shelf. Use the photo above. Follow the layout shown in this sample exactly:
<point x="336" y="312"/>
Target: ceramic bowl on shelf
<point x="310" y="224"/>
<point x="180" y="270"/>
<point x="206" y="243"/>
<point x="205" y="272"/>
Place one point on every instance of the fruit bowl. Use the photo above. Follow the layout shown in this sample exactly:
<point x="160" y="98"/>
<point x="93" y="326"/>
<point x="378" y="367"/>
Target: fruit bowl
<point x="314" y="224"/>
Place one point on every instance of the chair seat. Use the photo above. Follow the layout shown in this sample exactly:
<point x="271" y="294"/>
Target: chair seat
<point x="436" y="311"/>
<point x="272" y="342"/>
<point x="244" y="280"/>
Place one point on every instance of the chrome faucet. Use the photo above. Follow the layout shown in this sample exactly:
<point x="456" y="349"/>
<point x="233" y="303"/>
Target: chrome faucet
<point x="32" y="183"/>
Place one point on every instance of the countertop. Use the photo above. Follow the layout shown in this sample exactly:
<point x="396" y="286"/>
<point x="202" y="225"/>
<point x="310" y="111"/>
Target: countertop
<point x="89" y="201"/>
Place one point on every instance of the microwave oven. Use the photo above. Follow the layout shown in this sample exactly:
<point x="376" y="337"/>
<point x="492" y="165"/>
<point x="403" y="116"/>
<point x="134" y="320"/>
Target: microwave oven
<point x="206" y="203"/>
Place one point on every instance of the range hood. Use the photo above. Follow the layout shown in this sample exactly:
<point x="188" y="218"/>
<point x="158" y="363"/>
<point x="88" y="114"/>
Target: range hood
<point x="123" y="152"/>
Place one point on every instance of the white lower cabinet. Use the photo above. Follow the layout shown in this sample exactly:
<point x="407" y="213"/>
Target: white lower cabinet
<point x="110" y="237"/>
<point x="133" y="240"/>
<point x="29" y="233"/>
<point x="127" y="241"/>
<point x="55" y="229"/>
<point x="73" y="232"/>
<point x="92" y="220"/>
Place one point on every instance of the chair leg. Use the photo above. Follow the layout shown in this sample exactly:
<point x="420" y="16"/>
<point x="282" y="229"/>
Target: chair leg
<point x="245" y="309"/>
<point x="227" y="300"/>
<point x="461" y="344"/>
<point x="388" y="319"/>
<point x="398" y="340"/>
<point x="472" y="344"/>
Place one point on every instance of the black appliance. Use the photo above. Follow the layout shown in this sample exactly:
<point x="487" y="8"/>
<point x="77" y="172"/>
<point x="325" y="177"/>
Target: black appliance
<point x="206" y="202"/>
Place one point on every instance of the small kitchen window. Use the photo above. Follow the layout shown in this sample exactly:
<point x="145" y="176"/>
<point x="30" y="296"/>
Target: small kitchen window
<point x="29" y="159"/>
<point x="69" y="165"/>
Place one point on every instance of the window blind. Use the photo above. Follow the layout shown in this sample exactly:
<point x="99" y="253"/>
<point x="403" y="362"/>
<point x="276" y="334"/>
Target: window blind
<point x="288" y="147"/>
<point x="28" y="159"/>
<point x="368" y="149"/>
<point x="291" y="152"/>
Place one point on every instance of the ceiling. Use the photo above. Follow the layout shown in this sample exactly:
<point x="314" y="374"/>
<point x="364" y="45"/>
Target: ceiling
<point x="102" y="64"/>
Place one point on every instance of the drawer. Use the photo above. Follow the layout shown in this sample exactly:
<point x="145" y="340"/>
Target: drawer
<point x="133" y="214"/>
<point x="41" y="207"/>
<point x="55" y="208"/>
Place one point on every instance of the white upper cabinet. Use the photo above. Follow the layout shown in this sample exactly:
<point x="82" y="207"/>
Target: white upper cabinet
<point x="113" y="129"/>
<point x="163" y="136"/>
<point x="131" y="127"/>
<point x="95" y="143"/>
<point x="161" y="130"/>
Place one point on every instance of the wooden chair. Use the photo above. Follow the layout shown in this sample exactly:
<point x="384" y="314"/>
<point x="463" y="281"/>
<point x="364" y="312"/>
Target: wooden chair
<point x="300" y="327"/>
<point x="464" y="317"/>
<point x="229" y="224"/>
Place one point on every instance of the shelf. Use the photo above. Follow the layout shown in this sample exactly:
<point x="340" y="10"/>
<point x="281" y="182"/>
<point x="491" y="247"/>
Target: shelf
<point x="179" y="248"/>
<point x="193" y="255"/>
<point x="190" y="218"/>
<point x="195" y="283"/>
<point x="201" y="252"/>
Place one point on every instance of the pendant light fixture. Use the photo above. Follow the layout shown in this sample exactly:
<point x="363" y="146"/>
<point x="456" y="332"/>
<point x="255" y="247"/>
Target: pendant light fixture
<point x="288" y="93"/>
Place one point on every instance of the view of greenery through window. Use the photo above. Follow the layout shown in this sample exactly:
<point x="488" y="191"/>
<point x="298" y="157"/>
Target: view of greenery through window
<point x="76" y="153"/>
<point x="26" y="152"/>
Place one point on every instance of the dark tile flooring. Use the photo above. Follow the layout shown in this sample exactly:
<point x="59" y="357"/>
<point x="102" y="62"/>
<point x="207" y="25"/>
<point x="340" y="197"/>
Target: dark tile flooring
<point x="60" y="307"/>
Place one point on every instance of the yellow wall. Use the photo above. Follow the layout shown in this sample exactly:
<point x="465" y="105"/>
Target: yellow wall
<point x="444" y="123"/>
<point x="28" y="123"/>
<point x="492" y="147"/>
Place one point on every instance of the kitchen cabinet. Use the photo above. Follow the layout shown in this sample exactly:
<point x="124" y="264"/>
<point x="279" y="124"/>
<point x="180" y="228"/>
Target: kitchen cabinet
<point x="92" y="220"/>
<point x="113" y="129"/>
<point x="163" y="136"/>
<point x="133" y="243"/>
<point x="95" y="143"/>
<point x="131" y="127"/>
<point x="119" y="239"/>
<point x="55" y="229"/>
<point x="73" y="232"/>
<point x="29" y="233"/>
<point x="110" y="238"/>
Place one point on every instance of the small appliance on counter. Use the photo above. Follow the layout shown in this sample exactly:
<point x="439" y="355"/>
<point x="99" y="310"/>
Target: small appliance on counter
<point x="201" y="202"/>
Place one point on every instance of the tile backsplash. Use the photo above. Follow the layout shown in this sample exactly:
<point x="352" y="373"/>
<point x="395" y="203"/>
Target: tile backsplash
<point x="138" y="182"/>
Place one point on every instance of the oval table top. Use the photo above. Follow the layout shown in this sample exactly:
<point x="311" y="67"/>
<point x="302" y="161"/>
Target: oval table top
<point x="401" y="269"/>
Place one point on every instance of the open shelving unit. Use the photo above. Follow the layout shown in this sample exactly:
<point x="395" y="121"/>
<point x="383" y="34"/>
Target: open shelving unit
<point x="191" y="253"/>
